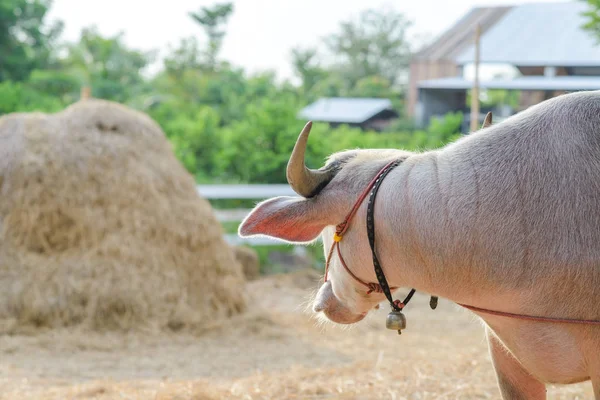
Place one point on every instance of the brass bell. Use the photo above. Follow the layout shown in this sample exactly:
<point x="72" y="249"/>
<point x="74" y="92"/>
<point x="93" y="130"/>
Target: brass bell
<point x="396" y="321"/>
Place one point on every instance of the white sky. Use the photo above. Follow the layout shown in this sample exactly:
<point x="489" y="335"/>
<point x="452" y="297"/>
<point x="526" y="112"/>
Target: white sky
<point x="260" y="33"/>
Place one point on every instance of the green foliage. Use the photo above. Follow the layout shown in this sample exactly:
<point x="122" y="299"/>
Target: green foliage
<point x="333" y="85"/>
<point x="195" y="139"/>
<point x="224" y="125"/>
<point x="443" y="130"/>
<point x="185" y="57"/>
<point x="372" y="86"/>
<point x="307" y="68"/>
<point x="258" y="146"/>
<point x="592" y="19"/>
<point x="263" y="253"/>
<point x="375" y="44"/>
<point x="61" y="85"/>
<point x="212" y="19"/>
<point x="19" y="97"/>
<point x="107" y="65"/>
<point x="370" y="53"/>
<point x="495" y="97"/>
<point x="401" y="124"/>
<point x="26" y="39"/>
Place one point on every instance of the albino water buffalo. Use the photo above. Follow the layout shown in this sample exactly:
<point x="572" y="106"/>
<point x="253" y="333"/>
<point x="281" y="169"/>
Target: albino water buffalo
<point x="504" y="221"/>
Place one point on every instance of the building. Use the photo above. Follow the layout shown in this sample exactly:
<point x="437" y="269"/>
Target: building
<point x="365" y="113"/>
<point x="543" y="42"/>
<point x="438" y="60"/>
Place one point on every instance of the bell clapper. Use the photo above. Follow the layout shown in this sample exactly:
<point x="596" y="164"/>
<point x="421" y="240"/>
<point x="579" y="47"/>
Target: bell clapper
<point x="396" y="321"/>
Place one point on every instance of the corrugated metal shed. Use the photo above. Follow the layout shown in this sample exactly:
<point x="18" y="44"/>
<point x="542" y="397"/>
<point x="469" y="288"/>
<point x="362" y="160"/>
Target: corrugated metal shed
<point x="567" y="83"/>
<point x="459" y="36"/>
<point x="535" y="34"/>
<point x="344" y="109"/>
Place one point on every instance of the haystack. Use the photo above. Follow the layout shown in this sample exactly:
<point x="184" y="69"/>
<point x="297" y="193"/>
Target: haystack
<point x="102" y="227"/>
<point x="249" y="260"/>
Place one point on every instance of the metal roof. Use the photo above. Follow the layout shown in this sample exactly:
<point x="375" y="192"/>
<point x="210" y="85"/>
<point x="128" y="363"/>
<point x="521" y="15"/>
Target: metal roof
<point x="344" y="109"/>
<point x="568" y="83"/>
<point x="459" y="36"/>
<point x="538" y="34"/>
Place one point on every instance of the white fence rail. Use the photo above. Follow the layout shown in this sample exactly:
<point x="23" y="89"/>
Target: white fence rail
<point x="256" y="192"/>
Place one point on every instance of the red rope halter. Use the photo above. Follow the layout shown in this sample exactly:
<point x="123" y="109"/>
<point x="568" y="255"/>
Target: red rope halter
<point x="341" y="229"/>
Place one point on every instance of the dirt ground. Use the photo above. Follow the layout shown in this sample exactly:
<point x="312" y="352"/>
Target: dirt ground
<point x="277" y="351"/>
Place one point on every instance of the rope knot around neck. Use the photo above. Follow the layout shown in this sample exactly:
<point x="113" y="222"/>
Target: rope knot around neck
<point x="374" y="287"/>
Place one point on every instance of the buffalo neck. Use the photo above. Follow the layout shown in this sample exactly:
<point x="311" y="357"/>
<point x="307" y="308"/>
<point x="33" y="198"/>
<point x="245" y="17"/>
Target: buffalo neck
<point x="419" y="239"/>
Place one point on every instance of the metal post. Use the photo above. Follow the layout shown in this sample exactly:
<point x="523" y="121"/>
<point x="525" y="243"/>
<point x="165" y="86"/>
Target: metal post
<point x="475" y="90"/>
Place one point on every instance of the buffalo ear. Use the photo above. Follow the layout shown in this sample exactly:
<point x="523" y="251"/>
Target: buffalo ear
<point x="292" y="219"/>
<point x="487" y="121"/>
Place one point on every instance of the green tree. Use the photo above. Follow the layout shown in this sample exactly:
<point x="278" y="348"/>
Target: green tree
<point x="212" y="20"/>
<point x="106" y="64"/>
<point x="375" y="44"/>
<point x="333" y="85"/>
<point x="59" y="84"/>
<point x="257" y="148"/>
<point x="372" y="86"/>
<point x="307" y="68"/>
<point x="194" y="135"/>
<point x="592" y="19"/>
<point x="498" y="97"/>
<point x="27" y="40"/>
<point x="226" y="91"/>
<point x="20" y="97"/>
<point x="187" y="56"/>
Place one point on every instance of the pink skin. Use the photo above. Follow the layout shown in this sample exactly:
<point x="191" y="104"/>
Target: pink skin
<point x="332" y="308"/>
<point x="342" y="298"/>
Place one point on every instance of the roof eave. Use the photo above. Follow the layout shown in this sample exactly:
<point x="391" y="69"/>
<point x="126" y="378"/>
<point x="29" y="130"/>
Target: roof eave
<point x="533" y="63"/>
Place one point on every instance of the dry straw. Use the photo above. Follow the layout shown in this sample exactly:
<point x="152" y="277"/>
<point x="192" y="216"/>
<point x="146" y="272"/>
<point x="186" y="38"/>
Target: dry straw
<point x="101" y="227"/>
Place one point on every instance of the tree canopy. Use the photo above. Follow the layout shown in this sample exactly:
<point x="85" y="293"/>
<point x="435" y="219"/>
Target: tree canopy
<point x="27" y="39"/>
<point x="225" y="125"/>
<point x="592" y="19"/>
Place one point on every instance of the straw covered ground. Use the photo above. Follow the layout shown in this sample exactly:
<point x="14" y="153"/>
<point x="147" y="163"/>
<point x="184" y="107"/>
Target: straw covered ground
<point x="275" y="351"/>
<point x="101" y="228"/>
